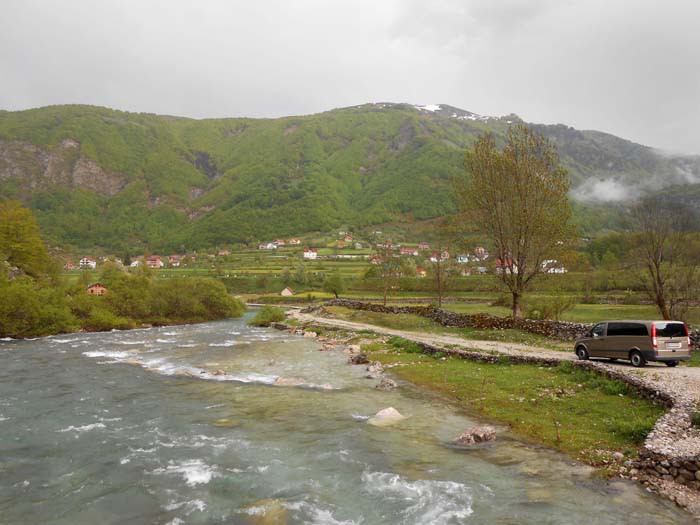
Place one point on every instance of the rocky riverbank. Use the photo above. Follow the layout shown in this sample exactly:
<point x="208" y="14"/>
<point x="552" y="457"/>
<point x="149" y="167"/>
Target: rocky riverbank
<point x="670" y="459"/>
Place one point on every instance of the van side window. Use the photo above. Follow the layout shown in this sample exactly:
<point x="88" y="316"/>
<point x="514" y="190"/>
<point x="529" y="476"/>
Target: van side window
<point x="627" y="329"/>
<point x="598" y="329"/>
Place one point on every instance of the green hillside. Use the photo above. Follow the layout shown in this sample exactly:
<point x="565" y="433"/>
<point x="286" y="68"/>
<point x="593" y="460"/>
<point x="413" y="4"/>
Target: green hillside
<point x="100" y="177"/>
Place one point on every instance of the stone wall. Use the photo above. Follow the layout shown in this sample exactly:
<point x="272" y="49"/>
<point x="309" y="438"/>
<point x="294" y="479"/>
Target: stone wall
<point x="554" y="329"/>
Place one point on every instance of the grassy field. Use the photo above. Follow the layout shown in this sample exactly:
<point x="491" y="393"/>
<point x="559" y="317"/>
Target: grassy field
<point x="571" y="410"/>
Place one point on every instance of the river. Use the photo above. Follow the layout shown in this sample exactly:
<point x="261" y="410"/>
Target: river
<point x="185" y="424"/>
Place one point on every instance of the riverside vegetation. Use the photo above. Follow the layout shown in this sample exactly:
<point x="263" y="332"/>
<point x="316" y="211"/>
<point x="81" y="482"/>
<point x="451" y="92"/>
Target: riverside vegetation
<point x="576" y="411"/>
<point x="35" y="301"/>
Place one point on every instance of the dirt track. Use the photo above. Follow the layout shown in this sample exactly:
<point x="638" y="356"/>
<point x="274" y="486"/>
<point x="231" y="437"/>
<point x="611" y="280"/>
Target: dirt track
<point x="682" y="381"/>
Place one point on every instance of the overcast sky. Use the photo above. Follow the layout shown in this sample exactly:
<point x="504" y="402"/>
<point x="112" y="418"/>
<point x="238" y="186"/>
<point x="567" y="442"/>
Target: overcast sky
<point x="628" y="67"/>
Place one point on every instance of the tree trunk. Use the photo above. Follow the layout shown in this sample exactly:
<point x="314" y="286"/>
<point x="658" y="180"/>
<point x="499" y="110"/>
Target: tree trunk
<point x="516" y="305"/>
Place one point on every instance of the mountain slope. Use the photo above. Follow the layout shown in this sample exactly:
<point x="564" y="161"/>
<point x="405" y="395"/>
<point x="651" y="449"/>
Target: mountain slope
<point x="96" y="176"/>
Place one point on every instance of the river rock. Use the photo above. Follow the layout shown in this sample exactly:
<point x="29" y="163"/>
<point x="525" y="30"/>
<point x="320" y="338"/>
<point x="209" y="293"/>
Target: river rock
<point x="225" y="422"/>
<point x="266" y="512"/>
<point x="375" y="368"/>
<point x="478" y="434"/>
<point x="386" y="384"/>
<point x="358" y="359"/>
<point x="386" y="417"/>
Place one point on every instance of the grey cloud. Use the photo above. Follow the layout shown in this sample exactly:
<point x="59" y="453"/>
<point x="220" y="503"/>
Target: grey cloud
<point x="629" y="68"/>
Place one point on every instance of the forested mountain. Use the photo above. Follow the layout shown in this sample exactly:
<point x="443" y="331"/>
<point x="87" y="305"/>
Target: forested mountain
<point x="100" y="177"/>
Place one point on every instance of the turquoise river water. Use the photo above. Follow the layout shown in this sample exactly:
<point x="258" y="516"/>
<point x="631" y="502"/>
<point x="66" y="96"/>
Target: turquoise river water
<point x="185" y="424"/>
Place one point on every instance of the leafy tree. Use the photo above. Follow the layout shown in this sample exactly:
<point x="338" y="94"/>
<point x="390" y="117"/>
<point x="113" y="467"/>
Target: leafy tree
<point x="334" y="283"/>
<point x="20" y="240"/>
<point x="517" y="197"/>
<point x="663" y="249"/>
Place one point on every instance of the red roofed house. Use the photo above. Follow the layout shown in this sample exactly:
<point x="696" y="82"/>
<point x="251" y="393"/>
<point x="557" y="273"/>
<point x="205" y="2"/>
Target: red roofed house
<point x="88" y="262"/>
<point x="423" y="246"/>
<point x="174" y="260"/>
<point x="310" y="253"/>
<point x="96" y="289"/>
<point x="154" y="261"/>
<point x="506" y="265"/>
<point x="421" y="272"/>
<point x="409" y="251"/>
<point x="295" y="241"/>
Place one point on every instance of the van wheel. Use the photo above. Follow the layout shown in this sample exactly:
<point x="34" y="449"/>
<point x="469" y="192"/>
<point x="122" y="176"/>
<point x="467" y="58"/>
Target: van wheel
<point x="637" y="359"/>
<point x="582" y="353"/>
<point x="671" y="363"/>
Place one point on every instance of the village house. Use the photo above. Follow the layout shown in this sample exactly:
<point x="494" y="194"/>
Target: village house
<point x="223" y="253"/>
<point x="506" y="265"/>
<point x="413" y="252"/>
<point x="444" y="256"/>
<point x="553" y="266"/>
<point x="154" y="261"/>
<point x="174" y="260"/>
<point x="294" y="242"/>
<point x="480" y="253"/>
<point x="358" y="245"/>
<point x="463" y="258"/>
<point x="375" y="260"/>
<point x="135" y="264"/>
<point x="267" y="246"/>
<point x="69" y="266"/>
<point x="88" y="263"/>
<point x="310" y="253"/>
<point x="341" y="244"/>
<point x="96" y="289"/>
<point x="423" y="246"/>
<point x="279" y="242"/>
<point x="348" y="238"/>
<point x="287" y="292"/>
<point x="421" y="272"/>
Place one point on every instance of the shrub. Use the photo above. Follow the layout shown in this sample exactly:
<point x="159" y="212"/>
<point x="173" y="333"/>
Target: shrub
<point x="549" y="308"/>
<point x="266" y="316"/>
<point x="405" y="345"/>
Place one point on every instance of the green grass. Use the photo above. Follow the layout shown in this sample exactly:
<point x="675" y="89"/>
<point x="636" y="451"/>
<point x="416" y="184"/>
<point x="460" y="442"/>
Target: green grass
<point x="590" y="412"/>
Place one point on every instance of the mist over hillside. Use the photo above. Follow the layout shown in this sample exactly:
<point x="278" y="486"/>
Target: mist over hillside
<point x="101" y="177"/>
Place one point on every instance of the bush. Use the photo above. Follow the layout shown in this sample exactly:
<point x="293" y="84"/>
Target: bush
<point x="267" y="315"/>
<point x="549" y="308"/>
<point x="405" y="345"/>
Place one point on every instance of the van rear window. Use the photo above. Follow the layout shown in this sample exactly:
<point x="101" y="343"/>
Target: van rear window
<point x="627" y="329"/>
<point x="670" y="329"/>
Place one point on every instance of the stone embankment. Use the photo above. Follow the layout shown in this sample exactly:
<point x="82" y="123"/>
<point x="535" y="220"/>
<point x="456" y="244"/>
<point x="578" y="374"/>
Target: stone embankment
<point x="555" y="329"/>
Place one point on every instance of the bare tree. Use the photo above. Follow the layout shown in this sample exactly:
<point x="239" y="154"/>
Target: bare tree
<point x="389" y="267"/>
<point x="662" y="250"/>
<point x="517" y="197"/>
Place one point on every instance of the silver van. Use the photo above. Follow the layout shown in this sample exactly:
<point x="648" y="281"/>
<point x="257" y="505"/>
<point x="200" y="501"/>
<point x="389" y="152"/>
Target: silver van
<point x="638" y="341"/>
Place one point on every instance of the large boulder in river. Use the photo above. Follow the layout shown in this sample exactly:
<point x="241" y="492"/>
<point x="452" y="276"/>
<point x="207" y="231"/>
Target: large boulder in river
<point x="474" y="435"/>
<point x="386" y="417"/>
<point x="358" y="359"/>
<point x="386" y="384"/>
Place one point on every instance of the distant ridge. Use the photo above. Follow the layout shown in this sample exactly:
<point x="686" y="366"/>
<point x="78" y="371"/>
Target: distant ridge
<point x="97" y="176"/>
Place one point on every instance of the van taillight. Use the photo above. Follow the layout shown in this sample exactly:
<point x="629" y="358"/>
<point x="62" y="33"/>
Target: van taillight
<point x="687" y="334"/>
<point x="654" y="342"/>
